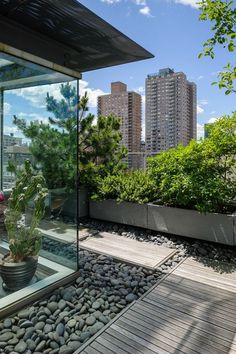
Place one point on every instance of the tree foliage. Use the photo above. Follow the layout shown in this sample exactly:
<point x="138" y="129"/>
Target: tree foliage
<point x="133" y="186"/>
<point x="201" y="175"/>
<point x="68" y="142"/>
<point x="223" y="15"/>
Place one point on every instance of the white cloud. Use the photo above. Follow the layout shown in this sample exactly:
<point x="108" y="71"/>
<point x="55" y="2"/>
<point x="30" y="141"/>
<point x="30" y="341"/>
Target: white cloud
<point x="140" y="2"/>
<point x="213" y="112"/>
<point x="192" y="3"/>
<point x="140" y="90"/>
<point x="200" y="77"/>
<point x="6" y="108"/>
<point x="200" y="127"/>
<point x="201" y="103"/>
<point x="32" y="117"/>
<point x="200" y="110"/>
<point x="11" y="130"/>
<point x="200" y="131"/>
<point x="36" y="96"/>
<point x="110" y="1"/>
<point x="92" y="93"/>
<point x="145" y="11"/>
<point x="212" y="120"/>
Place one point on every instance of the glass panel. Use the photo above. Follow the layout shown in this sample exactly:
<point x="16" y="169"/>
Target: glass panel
<point x="38" y="136"/>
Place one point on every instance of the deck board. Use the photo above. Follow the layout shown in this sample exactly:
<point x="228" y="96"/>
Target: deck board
<point x="128" y="250"/>
<point x="183" y="314"/>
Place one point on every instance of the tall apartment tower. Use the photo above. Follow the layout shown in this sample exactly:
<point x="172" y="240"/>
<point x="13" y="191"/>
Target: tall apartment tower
<point x="127" y="106"/>
<point x="171" y="111"/>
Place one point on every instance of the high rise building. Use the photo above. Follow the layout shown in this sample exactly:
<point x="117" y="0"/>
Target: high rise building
<point x="171" y="111"/>
<point x="127" y="106"/>
<point x="11" y="140"/>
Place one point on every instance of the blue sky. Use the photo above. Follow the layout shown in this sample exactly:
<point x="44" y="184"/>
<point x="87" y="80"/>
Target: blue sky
<point x="172" y="32"/>
<point x="169" y="29"/>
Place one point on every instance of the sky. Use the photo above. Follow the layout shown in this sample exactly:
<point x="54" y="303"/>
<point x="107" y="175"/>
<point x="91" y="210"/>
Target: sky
<point x="171" y="31"/>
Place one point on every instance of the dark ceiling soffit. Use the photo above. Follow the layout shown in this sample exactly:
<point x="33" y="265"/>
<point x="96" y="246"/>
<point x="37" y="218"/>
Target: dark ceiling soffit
<point x="66" y="33"/>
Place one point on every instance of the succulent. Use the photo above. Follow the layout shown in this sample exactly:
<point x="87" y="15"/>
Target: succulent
<point x="24" y="238"/>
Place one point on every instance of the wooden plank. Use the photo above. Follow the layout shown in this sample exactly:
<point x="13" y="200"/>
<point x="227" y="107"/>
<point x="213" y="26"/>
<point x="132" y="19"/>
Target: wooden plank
<point x="110" y="345"/>
<point x="176" y="337"/>
<point x="120" y="253"/>
<point x="162" y="345"/>
<point x="141" y="257"/>
<point x="128" y="250"/>
<point x="124" y="345"/>
<point x="90" y="350"/>
<point x="211" y="265"/>
<point x="219" y="310"/>
<point x="211" y="328"/>
<point x="139" y="339"/>
<point x="116" y="239"/>
<point x="201" y="294"/>
<point x="100" y="348"/>
<point x="199" y="268"/>
<point x="174" y="325"/>
<point x="221" y="284"/>
<point x="182" y="309"/>
<point x="191" y="311"/>
<point x="129" y="341"/>
<point x="202" y="287"/>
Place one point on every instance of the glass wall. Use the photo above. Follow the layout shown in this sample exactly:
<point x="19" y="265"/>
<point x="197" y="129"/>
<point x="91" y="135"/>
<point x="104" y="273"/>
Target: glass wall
<point x="38" y="169"/>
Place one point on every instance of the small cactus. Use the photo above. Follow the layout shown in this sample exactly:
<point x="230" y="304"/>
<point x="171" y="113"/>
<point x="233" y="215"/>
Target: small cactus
<point x="25" y="240"/>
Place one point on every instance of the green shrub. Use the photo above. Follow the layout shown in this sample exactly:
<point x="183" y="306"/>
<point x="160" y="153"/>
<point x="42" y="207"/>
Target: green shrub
<point x="201" y="175"/>
<point x="134" y="186"/>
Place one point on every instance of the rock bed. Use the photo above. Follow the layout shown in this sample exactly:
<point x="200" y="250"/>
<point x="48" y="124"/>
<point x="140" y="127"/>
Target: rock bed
<point x="70" y="316"/>
<point x="185" y="246"/>
<point x="62" y="322"/>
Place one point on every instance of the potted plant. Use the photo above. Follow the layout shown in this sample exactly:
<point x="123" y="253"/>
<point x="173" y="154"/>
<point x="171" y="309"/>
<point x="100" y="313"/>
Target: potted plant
<point x="18" y="267"/>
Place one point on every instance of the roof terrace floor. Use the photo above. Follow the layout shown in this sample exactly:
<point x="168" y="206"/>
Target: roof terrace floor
<point x="192" y="310"/>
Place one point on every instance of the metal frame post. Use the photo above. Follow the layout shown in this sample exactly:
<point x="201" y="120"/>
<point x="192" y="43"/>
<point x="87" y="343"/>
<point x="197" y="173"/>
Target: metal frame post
<point x="1" y="136"/>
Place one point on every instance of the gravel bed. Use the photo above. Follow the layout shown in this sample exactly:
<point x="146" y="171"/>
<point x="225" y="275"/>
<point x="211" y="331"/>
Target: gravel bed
<point x="66" y="319"/>
<point x="62" y="322"/>
<point x="185" y="246"/>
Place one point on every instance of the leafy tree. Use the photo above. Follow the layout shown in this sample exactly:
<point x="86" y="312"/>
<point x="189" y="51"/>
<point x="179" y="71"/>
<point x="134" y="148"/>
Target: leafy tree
<point x="223" y="15"/>
<point x="201" y="175"/>
<point x="67" y="140"/>
<point x="133" y="186"/>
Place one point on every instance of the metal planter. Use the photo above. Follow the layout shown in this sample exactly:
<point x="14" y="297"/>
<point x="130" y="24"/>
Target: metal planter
<point x="124" y="213"/>
<point x="213" y="227"/>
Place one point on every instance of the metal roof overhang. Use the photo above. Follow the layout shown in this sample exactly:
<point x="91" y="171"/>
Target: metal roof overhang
<point x="65" y="33"/>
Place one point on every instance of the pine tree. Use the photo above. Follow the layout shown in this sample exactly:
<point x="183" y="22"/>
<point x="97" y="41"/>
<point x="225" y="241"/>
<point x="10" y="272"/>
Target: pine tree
<point x="74" y="150"/>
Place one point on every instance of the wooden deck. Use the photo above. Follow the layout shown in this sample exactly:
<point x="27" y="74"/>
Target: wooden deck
<point x="128" y="250"/>
<point x="192" y="310"/>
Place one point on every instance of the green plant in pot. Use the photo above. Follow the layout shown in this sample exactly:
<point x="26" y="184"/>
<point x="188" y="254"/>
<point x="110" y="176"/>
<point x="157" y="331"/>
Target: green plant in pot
<point x="18" y="267"/>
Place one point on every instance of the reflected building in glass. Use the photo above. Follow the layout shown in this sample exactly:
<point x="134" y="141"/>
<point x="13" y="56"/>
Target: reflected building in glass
<point x="44" y="48"/>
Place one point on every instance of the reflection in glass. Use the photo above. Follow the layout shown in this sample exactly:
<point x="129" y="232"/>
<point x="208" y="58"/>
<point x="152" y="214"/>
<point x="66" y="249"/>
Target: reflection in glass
<point x="38" y="122"/>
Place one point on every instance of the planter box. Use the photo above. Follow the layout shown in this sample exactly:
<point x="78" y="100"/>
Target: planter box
<point x="70" y="205"/>
<point x="59" y="199"/>
<point x="123" y="213"/>
<point x="220" y="228"/>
